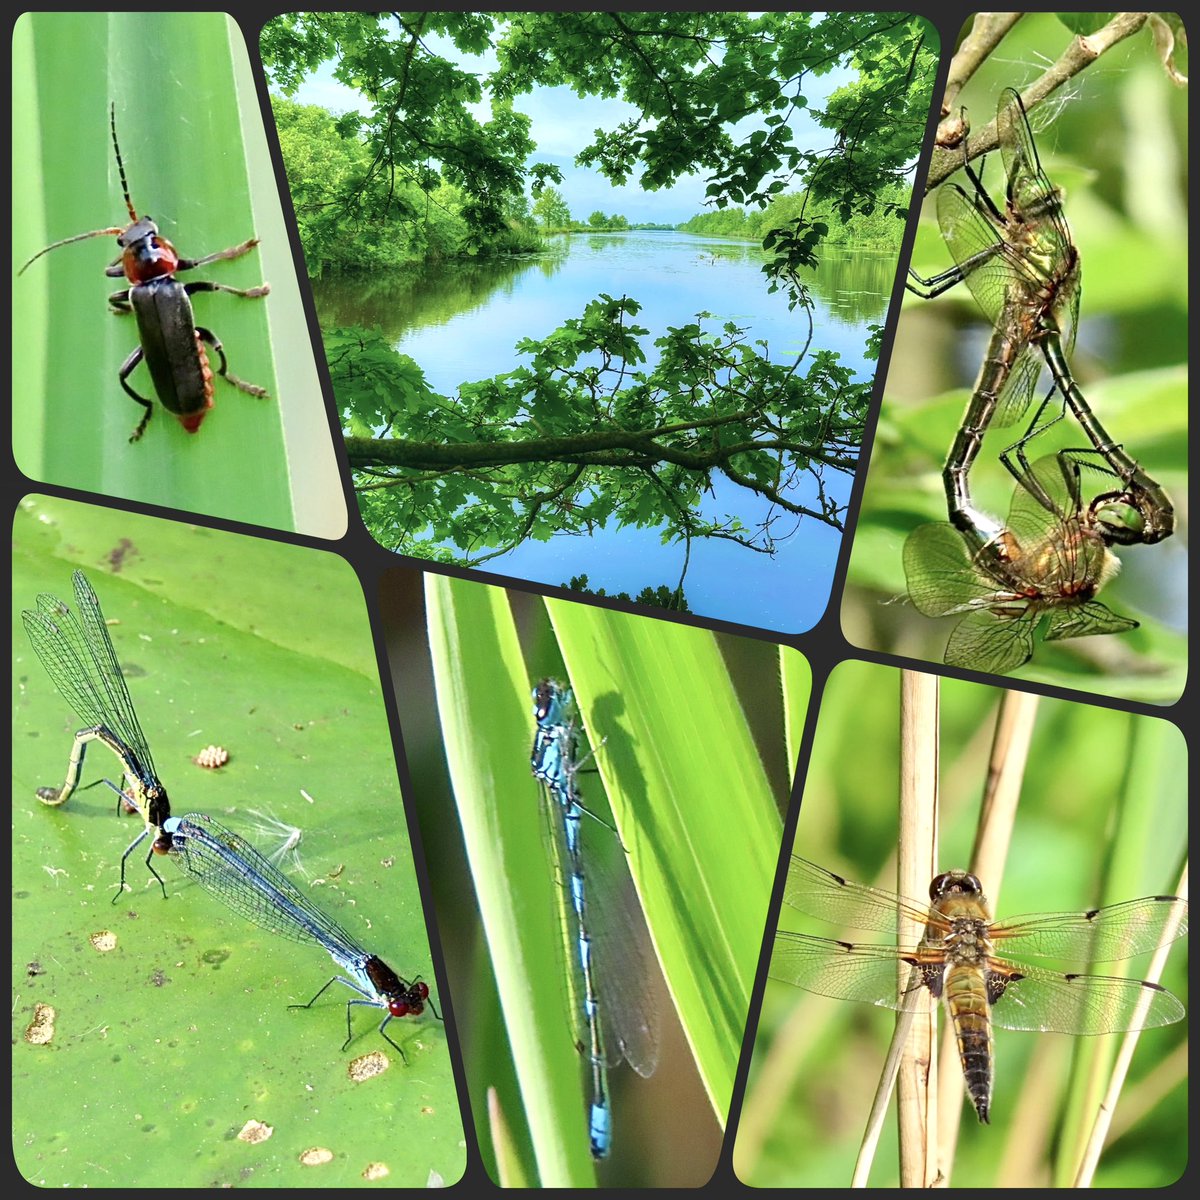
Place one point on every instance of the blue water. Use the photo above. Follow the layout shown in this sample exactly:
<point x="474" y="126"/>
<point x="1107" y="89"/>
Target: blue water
<point x="674" y="276"/>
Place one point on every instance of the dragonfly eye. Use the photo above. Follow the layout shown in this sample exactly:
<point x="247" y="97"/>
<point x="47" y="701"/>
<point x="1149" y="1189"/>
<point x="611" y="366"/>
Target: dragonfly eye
<point x="1119" y="518"/>
<point x="950" y="883"/>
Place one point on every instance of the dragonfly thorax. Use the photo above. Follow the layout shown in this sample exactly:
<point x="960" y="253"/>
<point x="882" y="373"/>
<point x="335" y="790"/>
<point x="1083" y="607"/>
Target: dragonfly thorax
<point x="967" y="943"/>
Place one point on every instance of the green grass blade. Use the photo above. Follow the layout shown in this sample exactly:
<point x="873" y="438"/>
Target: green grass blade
<point x="1147" y="818"/>
<point x="483" y="704"/>
<point x="797" y="691"/>
<point x="694" y="808"/>
<point x="195" y="157"/>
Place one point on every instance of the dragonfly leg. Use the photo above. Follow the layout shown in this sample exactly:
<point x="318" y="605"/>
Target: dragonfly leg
<point x="386" y="1020"/>
<point x="125" y="858"/>
<point x="935" y="285"/>
<point x="1022" y="472"/>
<point x="56" y="796"/>
<point x="319" y="994"/>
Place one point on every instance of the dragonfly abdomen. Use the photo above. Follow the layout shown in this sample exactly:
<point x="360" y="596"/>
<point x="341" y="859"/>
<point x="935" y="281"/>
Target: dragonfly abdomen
<point x="966" y="997"/>
<point x="1002" y="354"/>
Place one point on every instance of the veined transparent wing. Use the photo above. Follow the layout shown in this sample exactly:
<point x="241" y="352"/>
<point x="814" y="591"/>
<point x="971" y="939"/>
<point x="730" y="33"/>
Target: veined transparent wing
<point x="987" y="641"/>
<point x="829" y="897"/>
<point x="1041" y="1000"/>
<point x="78" y="655"/>
<point x="843" y="970"/>
<point x="942" y="579"/>
<point x="1106" y="934"/>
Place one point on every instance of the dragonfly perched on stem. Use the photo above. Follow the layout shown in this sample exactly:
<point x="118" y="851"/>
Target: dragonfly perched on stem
<point x="1023" y="269"/>
<point x="1043" y="569"/>
<point x="975" y="964"/>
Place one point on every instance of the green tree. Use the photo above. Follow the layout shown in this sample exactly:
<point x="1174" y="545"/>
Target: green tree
<point x="580" y="435"/>
<point x="421" y="130"/>
<point x="551" y="209"/>
<point x="690" y="76"/>
<point x="598" y="220"/>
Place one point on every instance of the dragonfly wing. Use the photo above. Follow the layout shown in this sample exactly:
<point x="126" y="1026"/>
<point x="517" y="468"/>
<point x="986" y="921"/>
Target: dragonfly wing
<point x="941" y="578"/>
<point x="987" y="642"/>
<point x="1018" y="388"/>
<point x="1105" y="934"/>
<point x="992" y="268"/>
<point x="975" y="245"/>
<point x="844" y="971"/>
<point x="1040" y="1000"/>
<point x="1084" y="620"/>
<point x="1049" y="490"/>
<point x="1034" y="198"/>
<point x="78" y="655"/>
<point x="829" y="897"/>
<point x="625" y="969"/>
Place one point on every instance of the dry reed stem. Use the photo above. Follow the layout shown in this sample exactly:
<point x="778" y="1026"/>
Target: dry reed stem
<point x="916" y="1084"/>
<point x="1090" y="1158"/>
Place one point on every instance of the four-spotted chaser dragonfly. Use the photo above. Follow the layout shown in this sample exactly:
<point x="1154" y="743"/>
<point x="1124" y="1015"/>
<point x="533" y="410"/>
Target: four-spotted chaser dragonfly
<point x="956" y="960"/>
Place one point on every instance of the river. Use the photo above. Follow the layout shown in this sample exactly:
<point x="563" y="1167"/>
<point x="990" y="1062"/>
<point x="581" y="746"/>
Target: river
<point x="460" y="322"/>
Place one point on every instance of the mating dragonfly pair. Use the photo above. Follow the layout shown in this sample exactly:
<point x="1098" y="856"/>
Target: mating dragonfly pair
<point x="958" y="960"/>
<point x="1053" y="555"/>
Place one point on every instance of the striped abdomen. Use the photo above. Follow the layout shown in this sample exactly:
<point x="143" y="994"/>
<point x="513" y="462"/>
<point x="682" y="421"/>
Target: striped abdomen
<point x="966" y="995"/>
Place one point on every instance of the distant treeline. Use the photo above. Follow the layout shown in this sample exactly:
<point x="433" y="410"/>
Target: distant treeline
<point x="354" y="217"/>
<point x="879" y="228"/>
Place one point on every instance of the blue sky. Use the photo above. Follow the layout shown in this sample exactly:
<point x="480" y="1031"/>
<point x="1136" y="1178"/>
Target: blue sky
<point x="562" y="123"/>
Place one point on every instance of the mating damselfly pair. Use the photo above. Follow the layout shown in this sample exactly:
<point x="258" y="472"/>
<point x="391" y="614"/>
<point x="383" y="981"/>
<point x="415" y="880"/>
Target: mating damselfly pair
<point x="78" y="654"/>
<point x="1045" y="564"/>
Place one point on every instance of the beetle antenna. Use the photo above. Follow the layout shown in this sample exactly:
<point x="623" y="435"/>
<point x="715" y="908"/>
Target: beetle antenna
<point x="112" y="120"/>
<point x="115" y="231"/>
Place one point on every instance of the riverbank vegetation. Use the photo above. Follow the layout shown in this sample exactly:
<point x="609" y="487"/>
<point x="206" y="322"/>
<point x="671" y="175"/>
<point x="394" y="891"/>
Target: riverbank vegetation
<point x="877" y="229"/>
<point x="598" y="426"/>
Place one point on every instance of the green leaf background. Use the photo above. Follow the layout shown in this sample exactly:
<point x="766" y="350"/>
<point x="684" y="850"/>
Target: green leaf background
<point x="166" y="1046"/>
<point x="1115" y="141"/>
<point x="684" y="773"/>
<point x="196" y="159"/>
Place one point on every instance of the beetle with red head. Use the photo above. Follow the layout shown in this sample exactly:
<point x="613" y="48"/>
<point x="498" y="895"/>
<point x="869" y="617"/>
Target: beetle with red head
<point x="171" y="343"/>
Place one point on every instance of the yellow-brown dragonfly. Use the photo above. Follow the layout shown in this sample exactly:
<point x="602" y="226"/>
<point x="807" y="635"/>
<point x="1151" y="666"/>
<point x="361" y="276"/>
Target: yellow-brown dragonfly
<point x="956" y="961"/>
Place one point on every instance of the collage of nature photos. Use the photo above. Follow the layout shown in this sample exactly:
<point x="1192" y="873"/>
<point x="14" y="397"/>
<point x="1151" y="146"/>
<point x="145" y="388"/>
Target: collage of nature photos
<point x="600" y="599"/>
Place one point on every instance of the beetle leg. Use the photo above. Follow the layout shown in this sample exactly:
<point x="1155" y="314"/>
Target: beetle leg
<point x="211" y="339"/>
<point x="207" y="285"/>
<point x="123" y="374"/>
<point x="186" y="264"/>
<point x="119" y="303"/>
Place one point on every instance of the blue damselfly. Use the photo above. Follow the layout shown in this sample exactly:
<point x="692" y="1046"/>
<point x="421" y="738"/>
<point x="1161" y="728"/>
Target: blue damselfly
<point x="226" y="865"/>
<point x="611" y="1006"/>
